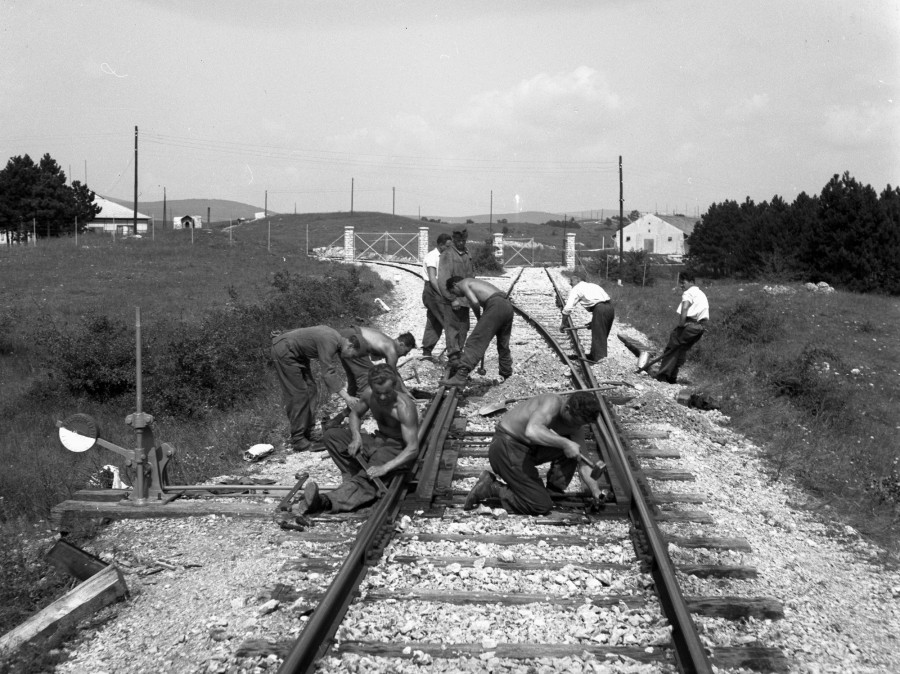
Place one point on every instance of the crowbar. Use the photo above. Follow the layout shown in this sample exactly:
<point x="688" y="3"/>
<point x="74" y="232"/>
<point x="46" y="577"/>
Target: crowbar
<point x="377" y="480"/>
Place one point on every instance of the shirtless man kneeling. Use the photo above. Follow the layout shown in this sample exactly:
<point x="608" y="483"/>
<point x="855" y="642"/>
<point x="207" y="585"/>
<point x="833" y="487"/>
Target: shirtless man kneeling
<point x="546" y="428"/>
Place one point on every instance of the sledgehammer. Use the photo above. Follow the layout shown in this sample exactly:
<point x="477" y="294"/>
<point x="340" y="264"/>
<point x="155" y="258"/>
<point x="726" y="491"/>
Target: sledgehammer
<point x="598" y="468"/>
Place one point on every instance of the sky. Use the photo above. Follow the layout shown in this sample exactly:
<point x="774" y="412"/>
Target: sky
<point x="455" y="108"/>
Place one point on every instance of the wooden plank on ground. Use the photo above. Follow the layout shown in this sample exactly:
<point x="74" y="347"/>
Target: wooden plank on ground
<point x="645" y="434"/>
<point x="496" y="563"/>
<point x="656" y="453"/>
<point x="550" y="540"/>
<point x="710" y="542"/>
<point x="668" y="475"/>
<point x="50" y="625"/>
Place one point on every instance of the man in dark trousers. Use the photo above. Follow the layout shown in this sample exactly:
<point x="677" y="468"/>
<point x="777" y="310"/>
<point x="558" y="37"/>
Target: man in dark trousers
<point x="292" y="352"/>
<point x="432" y="297"/>
<point x="393" y="446"/>
<point x="455" y="261"/>
<point x="596" y="302"/>
<point x="544" y="429"/>
<point x="693" y="315"/>
<point x="496" y="320"/>
<point x="376" y="345"/>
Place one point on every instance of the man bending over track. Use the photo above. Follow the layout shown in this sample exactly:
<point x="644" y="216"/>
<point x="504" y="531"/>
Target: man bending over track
<point x="362" y="458"/>
<point x="543" y="429"/>
<point x="496" y="320"/>
<point x="374" y="345"/>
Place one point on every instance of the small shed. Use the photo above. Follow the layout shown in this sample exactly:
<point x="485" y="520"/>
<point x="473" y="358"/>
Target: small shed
<point x="660" y="234"/>
<point x="117" y="218"/>
<point x="187" y="222"/>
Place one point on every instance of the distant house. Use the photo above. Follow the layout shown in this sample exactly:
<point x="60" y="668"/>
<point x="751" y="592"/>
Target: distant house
<point x="660" y="234"/>
<point x="187" y="222"/>
<point x="117" y="218"/>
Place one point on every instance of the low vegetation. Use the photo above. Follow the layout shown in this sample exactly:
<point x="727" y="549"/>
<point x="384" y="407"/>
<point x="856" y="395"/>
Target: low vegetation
<point x="67" y="344"/>
<point x="813" y="377"/>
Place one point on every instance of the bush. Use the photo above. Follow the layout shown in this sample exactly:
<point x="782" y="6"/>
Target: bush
<point x="750" y="320"/>
<point x="94" y="358"/>
<point x="808" y="381"/>
<point x="483" y="258"/>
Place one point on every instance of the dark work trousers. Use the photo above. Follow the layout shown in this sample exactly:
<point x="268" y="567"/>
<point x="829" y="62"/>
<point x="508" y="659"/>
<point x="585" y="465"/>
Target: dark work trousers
<point x="496" y="320"/>
<point x="357" y="370"/>
<point x="602" y="316"/>
<point x="299" y="392"/>
<point x="681" y="339"/>
<point x="516" y="464"/>
<point x="356" y="489"/>
<point x="434" y="318"/>
<point x="456" y="327"/>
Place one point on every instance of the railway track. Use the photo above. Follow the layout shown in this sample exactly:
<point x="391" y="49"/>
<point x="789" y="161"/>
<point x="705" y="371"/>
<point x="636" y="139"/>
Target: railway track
<point x="479" y="590"/>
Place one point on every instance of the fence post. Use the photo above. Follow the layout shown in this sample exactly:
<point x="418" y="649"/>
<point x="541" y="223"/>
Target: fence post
<point x="498" y="246"/>
<point x="423" y="243"/>
<point x="570" y="250"/>
<point x="349" y="244"/>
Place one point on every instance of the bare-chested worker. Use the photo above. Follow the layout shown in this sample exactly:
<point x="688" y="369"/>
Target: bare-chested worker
<point x="392" y="447"/>
<point x="496" y="320"/>
<point x="546" y="428"/>
<point x="374" y="345"/>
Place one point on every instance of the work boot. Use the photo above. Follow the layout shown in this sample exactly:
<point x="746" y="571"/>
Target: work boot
<point x="315" y="502"/>
<point x="485" y="488"/>
<point x="458" y="379"/>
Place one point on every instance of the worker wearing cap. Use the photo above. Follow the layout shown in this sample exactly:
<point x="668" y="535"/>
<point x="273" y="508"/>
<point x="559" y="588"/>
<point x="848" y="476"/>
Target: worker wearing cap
<point x="596" y="302"/>
<point x="455" y="261"/>
<point x="693" y="314"/>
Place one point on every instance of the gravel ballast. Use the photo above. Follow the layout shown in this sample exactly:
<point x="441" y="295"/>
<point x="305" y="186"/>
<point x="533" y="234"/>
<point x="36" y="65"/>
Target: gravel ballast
<point x="213" y="590"/>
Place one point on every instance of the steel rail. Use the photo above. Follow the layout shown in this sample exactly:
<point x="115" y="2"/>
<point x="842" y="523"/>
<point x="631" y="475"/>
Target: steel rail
<point x="690" y="654"/>
<point x="316" y="637"/>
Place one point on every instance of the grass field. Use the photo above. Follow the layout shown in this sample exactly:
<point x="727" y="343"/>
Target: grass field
<point x="813" y="377"/>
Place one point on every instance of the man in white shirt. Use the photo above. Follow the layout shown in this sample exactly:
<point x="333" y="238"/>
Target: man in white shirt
<point x="432" y="297"/>
<point x="693" y="312"/>
<point x="595" y="300"/>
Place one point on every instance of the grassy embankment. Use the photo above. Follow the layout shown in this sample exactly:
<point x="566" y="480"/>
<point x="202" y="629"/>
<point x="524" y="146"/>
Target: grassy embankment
<point x="206" y="311"/>
<point x="814" y="378"/>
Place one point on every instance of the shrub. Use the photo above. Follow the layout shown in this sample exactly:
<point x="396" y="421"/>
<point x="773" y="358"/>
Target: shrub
<point x="94" y="358"/>
<point x="750" y="320"/>
<point x="483" y="258"/>
<point x="808" y="381"/>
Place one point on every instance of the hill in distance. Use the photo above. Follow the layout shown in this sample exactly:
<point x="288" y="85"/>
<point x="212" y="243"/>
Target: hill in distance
<point x="219" y="209"/>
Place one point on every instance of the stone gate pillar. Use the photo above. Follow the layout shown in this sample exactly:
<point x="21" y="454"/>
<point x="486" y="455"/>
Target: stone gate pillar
<point x="570" y="250"/>
<point x="423" y="243"/>
<point x="498" y="246"/>
<point x="349" y="244"/>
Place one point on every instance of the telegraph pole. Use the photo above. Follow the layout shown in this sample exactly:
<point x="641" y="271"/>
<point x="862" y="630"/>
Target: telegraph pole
<point x="393" y="201"/>
<point x="491" y="216"/>
<point x="266" y="205"/>
<point x="351" y="196"/>
<point x="135" y="177"/>
<point x="621" y="219"/>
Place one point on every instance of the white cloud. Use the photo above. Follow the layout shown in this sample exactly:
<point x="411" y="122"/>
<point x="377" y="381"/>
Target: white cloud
<point x="862" y="124"/>
<point x="541" y="107"/>
<point x="748" y="107"/>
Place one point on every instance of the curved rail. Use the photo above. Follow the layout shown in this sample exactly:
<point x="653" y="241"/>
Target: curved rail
<point x="689" y="651"/>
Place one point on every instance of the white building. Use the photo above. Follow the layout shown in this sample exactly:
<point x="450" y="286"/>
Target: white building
<point x="187" y="222"/>
<point x="660" y="234"/>
<point x="117" y="218"/>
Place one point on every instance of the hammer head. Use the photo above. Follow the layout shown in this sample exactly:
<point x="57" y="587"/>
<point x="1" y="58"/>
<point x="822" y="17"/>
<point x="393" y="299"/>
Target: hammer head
<point x="598" y="470"/>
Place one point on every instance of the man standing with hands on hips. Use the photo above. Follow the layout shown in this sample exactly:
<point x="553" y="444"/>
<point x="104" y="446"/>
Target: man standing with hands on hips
<point x="694" y="315"/>
<point x="595" y="300"/>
